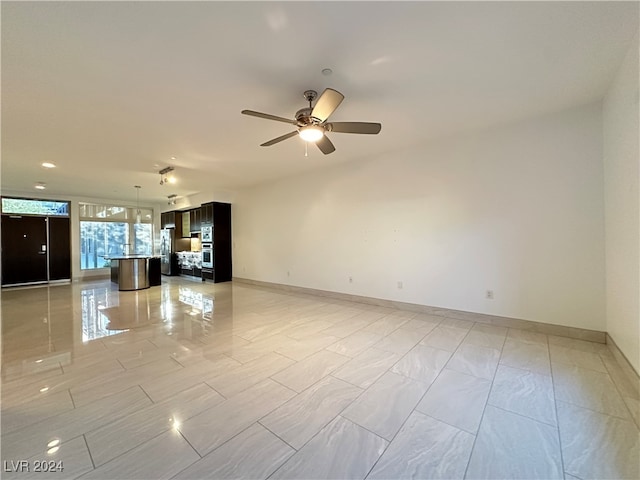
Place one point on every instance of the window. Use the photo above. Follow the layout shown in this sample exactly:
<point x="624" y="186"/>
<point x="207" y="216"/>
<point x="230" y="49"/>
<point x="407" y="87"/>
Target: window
<point x="26" y="206"/>
<point x="109" y="230"/>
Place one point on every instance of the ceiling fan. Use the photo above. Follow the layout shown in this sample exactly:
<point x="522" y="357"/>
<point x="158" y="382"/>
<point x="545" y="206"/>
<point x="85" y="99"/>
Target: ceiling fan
<point x="312" y="121"/>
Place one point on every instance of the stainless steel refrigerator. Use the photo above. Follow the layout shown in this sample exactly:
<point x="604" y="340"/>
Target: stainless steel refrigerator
<point x="168" y="261"/>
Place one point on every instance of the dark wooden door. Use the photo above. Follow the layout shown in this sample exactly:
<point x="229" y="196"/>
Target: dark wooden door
<point x="24" y="249"/>
<point x="59" y="248"/>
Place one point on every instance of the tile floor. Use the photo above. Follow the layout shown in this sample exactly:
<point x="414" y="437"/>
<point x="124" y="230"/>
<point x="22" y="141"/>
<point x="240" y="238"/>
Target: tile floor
<point x="191" y="380"/>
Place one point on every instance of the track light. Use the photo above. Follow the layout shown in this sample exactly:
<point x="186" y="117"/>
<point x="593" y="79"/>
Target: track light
<point x="165" y="177"/>
<point x="172" y="199"/>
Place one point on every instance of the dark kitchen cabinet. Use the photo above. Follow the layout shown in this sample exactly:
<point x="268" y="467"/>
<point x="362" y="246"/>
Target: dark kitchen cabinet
<point x="222" y="268"/>
<point x="218" y="216"/>
<point x="174" y="220"/>
<point x="154" y="271"/>
<point x="191" y="272"/>
<point x="168" y="219"/>
<point x="186" y="224"/>
<point x="206" y="215"/>
<point x="195" y="220"/>
<point x="178" y="227"/>
<point x="189" y="221"/>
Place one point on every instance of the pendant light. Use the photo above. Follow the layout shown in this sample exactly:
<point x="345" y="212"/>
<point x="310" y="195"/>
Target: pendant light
<point x="138" y="187"/>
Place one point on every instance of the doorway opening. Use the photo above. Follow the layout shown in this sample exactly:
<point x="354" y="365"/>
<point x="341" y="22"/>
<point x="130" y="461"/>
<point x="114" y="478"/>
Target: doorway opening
<point x="36" y="241"/>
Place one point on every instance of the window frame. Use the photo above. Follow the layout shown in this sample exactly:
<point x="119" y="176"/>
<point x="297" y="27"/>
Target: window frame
<point x="97" y="213"/>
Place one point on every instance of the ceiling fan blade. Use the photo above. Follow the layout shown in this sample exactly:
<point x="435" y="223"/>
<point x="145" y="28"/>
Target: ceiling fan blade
<point x="325" y="145"/>
<point x="326" y="104"/>
<point x="268" y="117"/>
<point x="279" y="139"/>
<point x="354" y="127"/>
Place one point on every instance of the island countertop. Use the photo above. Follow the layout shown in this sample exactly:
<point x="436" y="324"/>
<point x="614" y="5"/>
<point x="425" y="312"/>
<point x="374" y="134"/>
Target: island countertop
<point x="126" y="257"/>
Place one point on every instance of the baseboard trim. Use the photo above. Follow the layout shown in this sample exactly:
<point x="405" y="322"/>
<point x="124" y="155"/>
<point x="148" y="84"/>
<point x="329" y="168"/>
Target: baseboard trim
<point x="91" y="278"/>
<point x="627" y="367"/>
<point x="529" y="325"/>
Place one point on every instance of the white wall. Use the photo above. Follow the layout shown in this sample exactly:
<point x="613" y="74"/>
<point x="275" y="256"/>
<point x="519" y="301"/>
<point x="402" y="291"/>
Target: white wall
<point x="622" y="208"/>
<point x="517" y="210"/>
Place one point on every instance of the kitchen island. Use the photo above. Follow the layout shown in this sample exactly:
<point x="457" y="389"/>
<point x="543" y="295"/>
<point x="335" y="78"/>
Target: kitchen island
<point x="131" y="272"/>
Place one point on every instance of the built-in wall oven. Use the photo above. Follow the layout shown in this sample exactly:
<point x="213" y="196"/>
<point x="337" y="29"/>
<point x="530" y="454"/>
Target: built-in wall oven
<point x="207" y="255"/>
<point x="206" y="234"/>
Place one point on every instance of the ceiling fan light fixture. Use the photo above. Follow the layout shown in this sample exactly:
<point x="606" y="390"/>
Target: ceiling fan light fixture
<point x="311" y="133"/>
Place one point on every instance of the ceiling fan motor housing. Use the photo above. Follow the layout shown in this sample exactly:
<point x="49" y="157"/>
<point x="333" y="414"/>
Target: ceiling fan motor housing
<point x="310" y="95"/>
<point x="304" y="118"/>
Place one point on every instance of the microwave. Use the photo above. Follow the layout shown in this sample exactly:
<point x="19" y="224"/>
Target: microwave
<point x="206" y="234"/>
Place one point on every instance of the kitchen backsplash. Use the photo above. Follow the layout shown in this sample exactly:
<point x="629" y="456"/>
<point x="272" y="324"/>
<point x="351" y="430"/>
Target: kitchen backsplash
<point x="189" y="259"/>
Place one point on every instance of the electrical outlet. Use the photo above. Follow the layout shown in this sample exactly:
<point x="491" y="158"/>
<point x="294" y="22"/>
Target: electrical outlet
<point x="490" y="294"/>
<point x="400" y="285"/>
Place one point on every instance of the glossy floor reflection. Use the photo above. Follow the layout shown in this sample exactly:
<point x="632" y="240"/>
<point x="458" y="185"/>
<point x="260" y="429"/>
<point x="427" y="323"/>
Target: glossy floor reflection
<point x="192" y="380"/>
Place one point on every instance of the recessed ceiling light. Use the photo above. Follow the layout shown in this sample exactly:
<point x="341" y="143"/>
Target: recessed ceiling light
<point x="40" y="186"/>
<point x="48" y="165"/>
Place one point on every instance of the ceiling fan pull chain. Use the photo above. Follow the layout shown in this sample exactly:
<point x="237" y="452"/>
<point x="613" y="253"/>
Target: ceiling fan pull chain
<point x="306" y="150"/>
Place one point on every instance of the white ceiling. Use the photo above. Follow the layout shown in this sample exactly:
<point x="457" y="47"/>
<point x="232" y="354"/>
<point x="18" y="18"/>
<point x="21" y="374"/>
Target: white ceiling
<point x="110" y="91"/>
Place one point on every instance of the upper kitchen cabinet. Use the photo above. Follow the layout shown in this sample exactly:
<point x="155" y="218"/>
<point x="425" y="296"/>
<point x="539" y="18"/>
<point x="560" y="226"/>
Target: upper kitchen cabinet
<point x="168" y="220"/>
<point x="206" y="217"/>
<point x="195" y="220"/>
<point x="186" y="224"/>
<point x="190" y="222"/>
<point x="172" y="220"/>
<point x="179" y="232"/>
